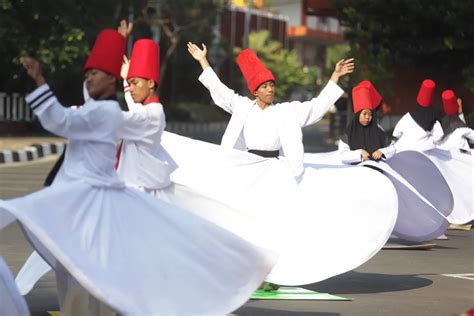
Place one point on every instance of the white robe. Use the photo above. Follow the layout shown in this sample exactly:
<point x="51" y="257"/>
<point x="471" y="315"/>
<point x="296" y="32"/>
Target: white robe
<point x="458" y="139"/>
<point x="142" y="163"/>
<point x="291" y="118"/>
<point x="412" y="137"/>
<point x="236" y="189"/>
<point x="456" y="167"/>
<point x="136" y="254"/>
<point x="424" y="197"/>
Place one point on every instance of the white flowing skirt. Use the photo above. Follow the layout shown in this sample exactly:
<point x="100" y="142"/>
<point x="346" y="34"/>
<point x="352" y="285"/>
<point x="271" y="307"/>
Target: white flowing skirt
<point x="140" y="255"/>
<point x="457" y="169"/>
<point x="324" y="226"/>
<point x="424" y="197"/>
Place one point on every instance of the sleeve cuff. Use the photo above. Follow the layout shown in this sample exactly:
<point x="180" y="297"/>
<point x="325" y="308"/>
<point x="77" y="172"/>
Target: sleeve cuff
<point x="207" y="75"/>
<point x="41" y="96"/>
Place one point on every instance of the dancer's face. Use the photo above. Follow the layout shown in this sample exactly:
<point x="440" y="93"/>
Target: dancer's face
<point x="141" y="89"/>
<point x="365" y="117"/>
<point x="266" y="92"/>
<point x="99" y="84"/>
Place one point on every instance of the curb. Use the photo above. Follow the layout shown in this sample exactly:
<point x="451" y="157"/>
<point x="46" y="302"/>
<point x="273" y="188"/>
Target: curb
<point x="31" y="152"/>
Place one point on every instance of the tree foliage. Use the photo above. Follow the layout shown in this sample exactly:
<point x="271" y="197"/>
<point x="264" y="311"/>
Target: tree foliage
<point x="412" y="33"/>
<point x="60" y="34"/>
<point x="289" y="73"/>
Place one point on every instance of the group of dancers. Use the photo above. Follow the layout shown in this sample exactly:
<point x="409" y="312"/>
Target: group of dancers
<point x="137" y="219"/>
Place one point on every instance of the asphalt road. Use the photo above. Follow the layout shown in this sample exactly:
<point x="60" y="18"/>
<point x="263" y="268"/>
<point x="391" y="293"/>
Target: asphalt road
<point x="394" y="282"/>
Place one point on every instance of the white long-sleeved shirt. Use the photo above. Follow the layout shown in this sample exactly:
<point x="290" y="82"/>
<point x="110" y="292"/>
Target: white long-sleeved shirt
<point x="290" y="117"/>
<point x="412" y="137"/>
<point x="91" y="132"/>
<point x="142" y="161"/>
<point x="349" y="156"/>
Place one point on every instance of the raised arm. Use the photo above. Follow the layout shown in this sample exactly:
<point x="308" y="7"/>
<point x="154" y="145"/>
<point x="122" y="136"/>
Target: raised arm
<point x="222" y="96"/>
<point x="132" y="106"/>
<point x="54" y="117"/>
<point x="312" y="111"/>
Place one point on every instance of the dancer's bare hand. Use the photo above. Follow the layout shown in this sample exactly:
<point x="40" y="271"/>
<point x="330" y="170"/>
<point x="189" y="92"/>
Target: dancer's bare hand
<point x="33" y="68"/>
<point x="342" y="68"/>
<point x="125" y="28"/>
<point x="365" y="155"/>
<point x="197" y="52"/>
<point x="377" y="155"/>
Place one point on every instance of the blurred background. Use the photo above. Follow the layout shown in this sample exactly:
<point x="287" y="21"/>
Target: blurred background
<point x="396" y="43"/>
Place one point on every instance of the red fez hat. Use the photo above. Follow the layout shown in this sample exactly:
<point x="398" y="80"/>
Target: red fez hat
<point x="450" y="102"/>
<point x="426" y="93"/>
<point x="253" y="69"/>
<point x="107" y="53"/>
<point x="145" y="60"/>
<point x="375" y="96"/>
<point x="361" y="98"/>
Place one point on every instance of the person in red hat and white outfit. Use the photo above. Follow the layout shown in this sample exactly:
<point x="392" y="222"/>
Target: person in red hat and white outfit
<point x="457" y="134"/>
<point x="419" y="129"/>
<point x="259" y="126"/>
<point x="455" y="160"/>
<point x="364" y="138"/>
<point x="141" y="161"/>
<point x="116" y="249"/>
<point x="295" y="197"/>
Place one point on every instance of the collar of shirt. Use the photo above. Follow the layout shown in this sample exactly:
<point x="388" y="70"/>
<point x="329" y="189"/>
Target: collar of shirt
<point x="153" y="99"/>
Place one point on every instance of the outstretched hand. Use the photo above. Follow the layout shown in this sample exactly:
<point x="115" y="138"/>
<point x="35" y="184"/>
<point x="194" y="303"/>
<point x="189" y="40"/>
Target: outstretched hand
<point x="197" y="52"/>
<point x="33" y="68"/>
<point x="343" y="67"/>
<point x="125" y="28"/>
<point x="125" y="67"/>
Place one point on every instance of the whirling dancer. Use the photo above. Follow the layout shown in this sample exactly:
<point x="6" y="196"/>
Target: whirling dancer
<point x="457" y="135"/>
<point x="421" y="212"/>
<point x="259" y="126"/>
<point x="113" y="247"/>
<point x="289" y="196"/>
<point x="419" y="129"/>
<point x="141" y="162"/>
<point x="364" y="139"/>
<point x="455" y="160"/>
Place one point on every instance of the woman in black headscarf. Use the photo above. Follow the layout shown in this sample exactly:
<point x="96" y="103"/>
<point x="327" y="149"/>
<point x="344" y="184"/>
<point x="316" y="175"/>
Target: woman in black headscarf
<point x="419" y="129"/>
<point x="456" y="133"/>
<point x="364" y="138"/>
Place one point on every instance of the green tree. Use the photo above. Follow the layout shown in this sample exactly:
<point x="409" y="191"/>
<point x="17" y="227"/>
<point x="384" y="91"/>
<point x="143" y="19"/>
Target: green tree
<point x="285" y="65"/>
<point x="411" y="33"/>
<point x="59" y="34"/>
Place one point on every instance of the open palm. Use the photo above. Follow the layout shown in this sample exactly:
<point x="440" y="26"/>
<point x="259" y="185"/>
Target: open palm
<point x="344" y="66"/>
<point x="197" y="52"/>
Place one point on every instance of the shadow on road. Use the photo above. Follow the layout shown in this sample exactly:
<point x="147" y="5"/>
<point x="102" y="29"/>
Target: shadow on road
<point x="362" y="283"/>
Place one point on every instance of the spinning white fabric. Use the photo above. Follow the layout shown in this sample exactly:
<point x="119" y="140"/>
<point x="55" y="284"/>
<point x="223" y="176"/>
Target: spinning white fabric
<point x="424" y="198"/>
<point x="11" y="301"/>
<point x="235" y="190"/>
<point x="457" y="169"/>
<point x="136" y="254"/>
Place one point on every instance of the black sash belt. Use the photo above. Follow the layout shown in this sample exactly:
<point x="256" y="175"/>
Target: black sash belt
<point x="265" y="153"/>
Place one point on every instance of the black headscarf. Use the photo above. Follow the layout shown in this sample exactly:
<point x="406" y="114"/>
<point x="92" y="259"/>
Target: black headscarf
<point x="369" y="138"/>
<point x="424" y="116"/>
<point x="450" y="123"/>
